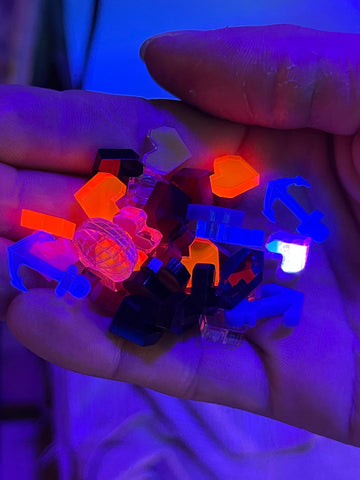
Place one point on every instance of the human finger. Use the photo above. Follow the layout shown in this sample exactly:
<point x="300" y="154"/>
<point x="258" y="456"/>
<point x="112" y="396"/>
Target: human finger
<point x="62" y="131"/>
<point x="46" y="192"/>
<point x="278" y="76"/>
<point x="71" y="334"/>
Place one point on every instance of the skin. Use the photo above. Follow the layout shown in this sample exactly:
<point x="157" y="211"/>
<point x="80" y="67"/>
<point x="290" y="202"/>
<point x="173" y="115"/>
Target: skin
<point x="288" y="100"/>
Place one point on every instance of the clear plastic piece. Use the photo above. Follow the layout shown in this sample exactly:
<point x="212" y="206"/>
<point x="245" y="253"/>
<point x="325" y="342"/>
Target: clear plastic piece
<point x="213" y="328"/>
<point x="140" y="188"/>
<point x="106" y="248"/>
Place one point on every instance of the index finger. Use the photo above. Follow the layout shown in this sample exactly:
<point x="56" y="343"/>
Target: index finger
<point x="61" y="131"/>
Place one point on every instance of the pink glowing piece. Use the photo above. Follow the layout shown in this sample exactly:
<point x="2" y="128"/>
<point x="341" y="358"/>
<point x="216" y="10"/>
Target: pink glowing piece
<point x="133" y="221"/>
<point x="60" y="254"/>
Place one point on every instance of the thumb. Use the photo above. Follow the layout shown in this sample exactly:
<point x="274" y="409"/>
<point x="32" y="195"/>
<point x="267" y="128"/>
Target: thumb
<point x="278" y="76"/>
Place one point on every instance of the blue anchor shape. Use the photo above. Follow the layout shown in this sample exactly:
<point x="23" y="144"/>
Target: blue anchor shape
<point x="310" y="224"/>
<point x="69" y="281"/>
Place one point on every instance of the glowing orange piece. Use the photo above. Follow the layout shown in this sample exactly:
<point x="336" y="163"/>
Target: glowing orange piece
<point x="202" y="251"/>
<point x="141" y="259"/>
<point x="232" y="176"/>
<point x="99" y="195"/>
<point x="47" y="223"/>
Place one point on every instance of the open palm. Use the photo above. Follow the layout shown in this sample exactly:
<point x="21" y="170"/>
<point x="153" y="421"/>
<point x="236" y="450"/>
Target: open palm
<point x="279" y="107"/>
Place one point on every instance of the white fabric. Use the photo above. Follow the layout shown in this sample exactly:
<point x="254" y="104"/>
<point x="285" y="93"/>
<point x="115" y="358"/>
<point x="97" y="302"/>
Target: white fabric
<point x="111" y="430"/>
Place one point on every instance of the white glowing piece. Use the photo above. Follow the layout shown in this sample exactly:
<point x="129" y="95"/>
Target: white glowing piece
<point x="294" y="256"/>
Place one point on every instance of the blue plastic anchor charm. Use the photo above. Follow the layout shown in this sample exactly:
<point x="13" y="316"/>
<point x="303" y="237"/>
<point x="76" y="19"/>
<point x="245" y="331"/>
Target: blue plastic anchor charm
<point x="69" y="281"/>
<point x="310" y="224"/>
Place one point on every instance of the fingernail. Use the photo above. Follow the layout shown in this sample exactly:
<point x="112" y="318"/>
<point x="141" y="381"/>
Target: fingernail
<point x="144" y="46"/>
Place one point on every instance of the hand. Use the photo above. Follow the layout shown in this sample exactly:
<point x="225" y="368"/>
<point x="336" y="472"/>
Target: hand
<point x="288" y="99"/>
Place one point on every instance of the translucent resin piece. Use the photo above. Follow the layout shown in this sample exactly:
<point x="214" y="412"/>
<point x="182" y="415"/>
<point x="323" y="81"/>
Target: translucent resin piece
<point x="106" y="248"/>
<point x="213" y="328"/>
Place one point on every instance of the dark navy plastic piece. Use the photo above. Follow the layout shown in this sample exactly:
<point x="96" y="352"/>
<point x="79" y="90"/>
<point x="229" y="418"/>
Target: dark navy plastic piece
<point x="195" y="182"/>
<point x="136" y="320"/>
<point x="202" y="289"/>
<point x="159" y="283"/>
<point x="276" y="300"/>
<point x="178" y="271"/>
<point x="69" y="281"/>
<point x="148" y="284"/>
<point x="166" y="208"/>
<point x="182" y="238"/>
<point x="229" y="291"/>
<point x="177" y="313"/>
<point x="125" y="162"/>
<point x="310" y="223"/>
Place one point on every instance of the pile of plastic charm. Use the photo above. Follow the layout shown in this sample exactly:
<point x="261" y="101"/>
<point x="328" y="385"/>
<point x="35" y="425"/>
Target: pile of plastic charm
<point x="152" y="255"/>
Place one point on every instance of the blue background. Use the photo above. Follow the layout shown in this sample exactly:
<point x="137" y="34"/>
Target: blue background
<point x="115" y="65"/>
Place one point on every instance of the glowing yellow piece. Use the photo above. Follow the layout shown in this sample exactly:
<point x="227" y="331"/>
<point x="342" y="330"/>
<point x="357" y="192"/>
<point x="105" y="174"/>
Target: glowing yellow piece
<point x="202" y="251"/>
<point x="99" y="195"/>
<point x="232" y="176"/>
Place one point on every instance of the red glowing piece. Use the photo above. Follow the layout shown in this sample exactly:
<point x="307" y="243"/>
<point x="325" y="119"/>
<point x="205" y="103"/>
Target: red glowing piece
<point x="247" y="275"/>
<point x="47" y="223"/>
<point x="232" y="176"/>
<point x="133" y="221"/>
<point x="110" y="166"/>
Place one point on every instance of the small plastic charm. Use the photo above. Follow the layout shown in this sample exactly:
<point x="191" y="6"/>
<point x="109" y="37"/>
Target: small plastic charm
<point x="121" y="162"/>
<point x="195" y="182"/>
<point x="275" y="300"/>
<point x="47" y="223"/>
<point x="60" y="253"/>
<point x="139" y="189"/>
<point x="213" y="328"/>
<point x="242" y="272"/>
<point x="69" y="281"/>
<point x="211" y="214"/>
<point x="106" y="249"/>
<point x="99" y="195"/>
<point x="294" y="250"/>
<point x="136" y="320"/>
<point x="133" y="221"/>
<point x="233" y="176"/>
<point x="222" y="225"/>
<point x="221" y="233"/>
<point x="310" y="223"/>
<point x="169" y="151"/>
<point x="166" y="208"/>
<point x="202" y="251"/>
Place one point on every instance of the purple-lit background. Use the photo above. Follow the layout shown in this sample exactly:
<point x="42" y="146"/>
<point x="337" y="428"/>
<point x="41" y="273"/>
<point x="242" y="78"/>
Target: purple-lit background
<point x="142" y="431"/>
<point x="106" y="430"/>
<point x="115" y="66"/>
